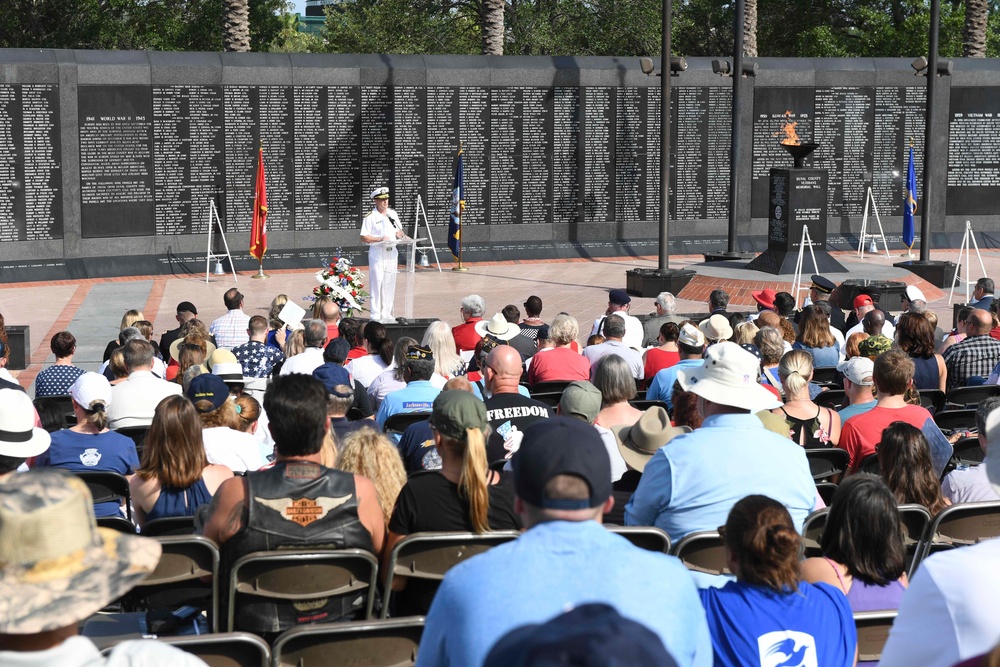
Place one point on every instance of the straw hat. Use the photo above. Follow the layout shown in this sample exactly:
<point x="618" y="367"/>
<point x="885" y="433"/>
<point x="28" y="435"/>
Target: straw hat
<point x="641" y="440"/>
<point x="498" y="327"/>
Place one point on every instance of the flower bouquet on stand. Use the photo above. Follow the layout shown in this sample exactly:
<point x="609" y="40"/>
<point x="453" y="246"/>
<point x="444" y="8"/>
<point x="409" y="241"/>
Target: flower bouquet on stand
<point x="342" y="283"/>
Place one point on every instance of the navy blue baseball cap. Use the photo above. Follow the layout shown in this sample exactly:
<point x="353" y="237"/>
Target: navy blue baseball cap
<point x="619" y="297"/>
<point x="591" y="635"/>
<point x="331" y="374"/>
<point x="561" y="446"/>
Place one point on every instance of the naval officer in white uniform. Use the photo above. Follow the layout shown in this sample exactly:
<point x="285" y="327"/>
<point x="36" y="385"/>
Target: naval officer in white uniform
<point x="380" y="230"/>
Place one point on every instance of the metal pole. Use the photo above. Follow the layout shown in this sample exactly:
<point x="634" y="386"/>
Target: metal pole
<point x="664" y="260"/>
<point x="932" y="59"/>
<point x="736" y="145"/>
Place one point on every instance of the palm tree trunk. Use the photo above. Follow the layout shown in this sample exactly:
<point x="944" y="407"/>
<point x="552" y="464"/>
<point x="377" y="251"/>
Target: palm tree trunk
<point x="236" y="25"/>
<point x="750" y="29"/>
<point x="974" y="32"/>
<point x="493" y="27"/>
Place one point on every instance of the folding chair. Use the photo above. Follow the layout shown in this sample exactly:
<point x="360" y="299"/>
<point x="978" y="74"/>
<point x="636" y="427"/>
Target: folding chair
<point x="169" y="525"/>
<point x="293" y="576"/>
<point x="828" y="464"/>
<point x="873" y="631"/>
<point x="226" y="649"/>
<point x="826" y="376"/>
<point x="400" y="421"/>
<point x="703" y="551"/>
<point x="956" y="420"/>
<point x="65" y="403"/>
<point x="138" y="435"/>
<point x="832" y="398"/>
<point x="549" y="398"/>
<point x="116" y="523"/>
<point x="646" y="405"/>
<point x="812" y="531"/>
<point x="177" y="579"/>
<point x="106" y="487"/>
<point x="959" y="525"/>
<point x="649" y="538"/>
<point x="932" y="399"/>
<point x="826" y="491"/>
<point x="382" y="643"/>
<point x="970" y="397"/>
<point x="870" y="465"/>
<point x="968" y="451"/>
<point x="430" y="555"/>
<point x="548" y="387"/>
<point x="915" y="520"/>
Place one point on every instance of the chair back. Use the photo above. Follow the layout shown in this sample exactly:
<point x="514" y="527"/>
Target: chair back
<point x="915" y="520"/>
<point x="956" y="420"/>
<point x="826" y="375"/>
<point x="826" y="491"/>
<point x="400" y="421"/>
<point x="870" y="465"/>
<point x="65" y="405"/>
<point x="643" y="404"/>
<point x="226" y="649"/>
<point x="296" y="575"/>
<point x="968" y="451"/>
<point x="828" y="464"/>
<point x="873" y="631"/>
<point x="932" y="399"/>
<point x="549" y="398"/>
<point x="169" y="525"/>
<point x="383" y="643"/>
<point x="548" y="387"/>
<point x="812" y="531"/>
<point x="430" y="555"/>
<point x="649" y="538"/>
<point x="703" y="551"/>
<point x="177" y="579"/>
<point x="106" y="487"/>
<point x="116" y="523"/>
<point x="958" y="526"/>
<point x="138" y="435"/>
<point x="831" y="398"/>
<point x="970" y="397"/>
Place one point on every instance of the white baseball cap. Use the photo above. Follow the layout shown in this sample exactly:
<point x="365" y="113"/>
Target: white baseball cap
<point x="857" y="369"/>
<point x="91" y="387"/>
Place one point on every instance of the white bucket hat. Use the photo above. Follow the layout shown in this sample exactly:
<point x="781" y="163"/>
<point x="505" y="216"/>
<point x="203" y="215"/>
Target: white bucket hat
<point x="716" y="327"/>
<point x="19" y="437"/>
<point x="728" y="377"/>
<point x="498" y="327"/>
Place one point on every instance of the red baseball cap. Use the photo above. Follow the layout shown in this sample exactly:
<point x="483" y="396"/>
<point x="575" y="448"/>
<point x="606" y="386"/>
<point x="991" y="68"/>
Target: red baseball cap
<point x="862" y="300"/>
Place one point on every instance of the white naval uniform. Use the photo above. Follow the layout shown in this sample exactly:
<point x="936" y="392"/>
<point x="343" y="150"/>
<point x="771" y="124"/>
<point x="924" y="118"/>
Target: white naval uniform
<point x="383" y="262"/>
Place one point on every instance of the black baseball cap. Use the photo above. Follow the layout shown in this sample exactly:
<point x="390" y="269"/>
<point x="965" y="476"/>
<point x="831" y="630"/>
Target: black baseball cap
<point x="186" y="307"/>
<point x="591" y="635"/>
<point x="561" y="446"/>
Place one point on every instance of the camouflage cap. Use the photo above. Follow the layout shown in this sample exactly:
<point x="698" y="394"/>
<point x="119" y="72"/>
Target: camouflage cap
<point x="57" y="567"/>
<point x="873" y="346"/>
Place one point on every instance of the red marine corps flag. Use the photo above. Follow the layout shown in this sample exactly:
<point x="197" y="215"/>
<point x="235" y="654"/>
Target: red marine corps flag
<point x="258" y="229"/>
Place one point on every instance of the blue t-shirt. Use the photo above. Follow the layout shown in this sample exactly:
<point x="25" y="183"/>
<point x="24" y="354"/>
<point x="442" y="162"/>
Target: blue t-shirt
<point x="753" y="625"/>
<point x="661" y="388"/>
<point x="86" y="452"/>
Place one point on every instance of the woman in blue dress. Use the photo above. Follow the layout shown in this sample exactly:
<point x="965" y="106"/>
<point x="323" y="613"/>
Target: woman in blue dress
<point x="175" y="478"/>
<point x="768" y="616"/>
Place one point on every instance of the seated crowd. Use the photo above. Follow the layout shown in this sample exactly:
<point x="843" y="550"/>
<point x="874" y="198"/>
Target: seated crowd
<point x="327" y="434"/>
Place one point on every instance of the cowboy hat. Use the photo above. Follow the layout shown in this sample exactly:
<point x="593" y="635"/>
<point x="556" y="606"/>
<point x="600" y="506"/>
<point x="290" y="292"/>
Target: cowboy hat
<point x="638" y="442"/>
<point x="498" y="327"/>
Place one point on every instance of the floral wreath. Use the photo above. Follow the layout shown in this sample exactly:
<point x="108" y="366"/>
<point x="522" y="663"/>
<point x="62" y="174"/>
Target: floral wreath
<point x="342" y="283"/>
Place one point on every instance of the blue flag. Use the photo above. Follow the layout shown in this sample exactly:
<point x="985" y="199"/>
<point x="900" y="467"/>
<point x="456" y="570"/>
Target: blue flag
<point x="457" y="206"/>
<point x="910" y="204"/>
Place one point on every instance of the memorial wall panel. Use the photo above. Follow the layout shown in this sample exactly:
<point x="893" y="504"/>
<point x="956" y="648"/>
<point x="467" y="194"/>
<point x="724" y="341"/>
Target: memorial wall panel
<point x="974" y="151"/>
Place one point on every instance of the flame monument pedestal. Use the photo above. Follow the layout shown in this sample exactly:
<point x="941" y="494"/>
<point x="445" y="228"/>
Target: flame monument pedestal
<point x="797" y="199"/>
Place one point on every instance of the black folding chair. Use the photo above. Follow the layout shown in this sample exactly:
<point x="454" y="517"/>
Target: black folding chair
<point x="832" y="398"/>
<point x="956" y="420"/>
<point x="169" y="525"/>
<point x="932" y="399"/>
<point x="970" y="397"/>
<point x="400" y="421"/>
<point x="958" y="526"/>
<point x="107" y="487"/>
<point x="383" y="643"/>
<point x="828" y="464"/>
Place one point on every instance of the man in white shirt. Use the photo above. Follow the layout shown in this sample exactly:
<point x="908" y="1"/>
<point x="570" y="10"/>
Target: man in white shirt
<point x="134" y="401"/>
<point x="863" y="305"/>
<point x="313" y="336"/>
<point x="949" y="612"/>
<point x="230" y="330"/>
<point x="618" y="304"/>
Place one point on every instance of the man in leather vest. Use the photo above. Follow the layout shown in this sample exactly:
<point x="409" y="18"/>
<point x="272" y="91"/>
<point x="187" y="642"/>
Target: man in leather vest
<point x="296" y="504"/>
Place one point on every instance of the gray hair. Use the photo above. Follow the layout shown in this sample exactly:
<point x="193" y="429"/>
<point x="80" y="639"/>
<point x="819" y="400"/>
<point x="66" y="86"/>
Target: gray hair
<point x="986" y="284"/>
<point x="918" y="306"/>
<point x="983" y="410"/>
<point x="614" y="327"/>
<point x="314" y="333"/>
<point x="564" y="329"/>
<point x="129" y="333"/>
<point x="613" y="378"/>
<point x="666" y="301"/>
<point x="771" y="345"/>
<point x="474" y="305"/>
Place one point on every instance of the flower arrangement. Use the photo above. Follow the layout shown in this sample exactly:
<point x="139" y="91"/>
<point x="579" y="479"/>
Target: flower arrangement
<point x="341" y="282"/>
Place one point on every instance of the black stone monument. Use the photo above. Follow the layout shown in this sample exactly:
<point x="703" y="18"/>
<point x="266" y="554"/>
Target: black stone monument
<point x="798" y="198"/>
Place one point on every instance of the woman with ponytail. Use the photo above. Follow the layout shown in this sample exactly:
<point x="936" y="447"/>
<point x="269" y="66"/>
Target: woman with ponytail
<point x="809" y="425"/>
<point x="90" y="446"/>
<point x="379" y="347"/>
<point x="769" y="615"/>
<point x="464" y="495"/>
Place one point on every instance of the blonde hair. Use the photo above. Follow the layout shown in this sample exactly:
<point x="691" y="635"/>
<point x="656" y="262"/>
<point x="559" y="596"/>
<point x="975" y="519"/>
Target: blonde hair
<point x="439" y="339"/>
<point x="295" y="344"/>
<point x="795" y="369"/>
<point x="272" y="315"/>
<point x="473" y="483"/>
<point x="328" y="450"/>
<point x="745" y="333"/>
<point x="131" y="317"/>
<point x="369" y="454"/>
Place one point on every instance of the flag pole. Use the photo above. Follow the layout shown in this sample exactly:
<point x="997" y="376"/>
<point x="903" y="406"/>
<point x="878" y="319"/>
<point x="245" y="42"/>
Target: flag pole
<point x="260" y="210"/>
<point x="461" y="244"/>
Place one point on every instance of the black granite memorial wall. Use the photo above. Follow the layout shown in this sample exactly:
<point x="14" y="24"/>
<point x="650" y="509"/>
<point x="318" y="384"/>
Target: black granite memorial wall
<point x="110" y="159"/>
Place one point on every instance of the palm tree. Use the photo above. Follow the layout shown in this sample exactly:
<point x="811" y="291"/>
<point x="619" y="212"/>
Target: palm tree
<point x="236" y="25"/>
<point x="493" y="27"/>
<point x="750" y="29"/>
<point x="974" y="31"/>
